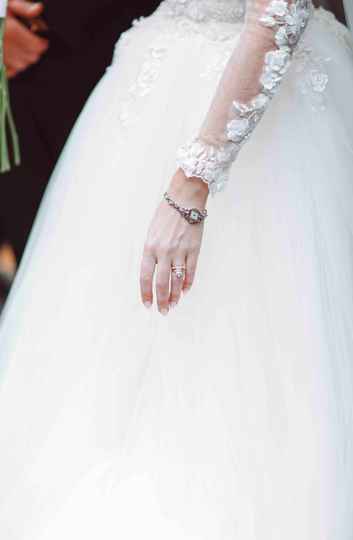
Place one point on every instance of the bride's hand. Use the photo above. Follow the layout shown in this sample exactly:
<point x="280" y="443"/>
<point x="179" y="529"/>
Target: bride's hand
<point x="171" y="240"/>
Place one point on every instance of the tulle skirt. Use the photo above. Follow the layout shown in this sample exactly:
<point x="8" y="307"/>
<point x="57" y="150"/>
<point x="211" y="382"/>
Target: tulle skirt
<point x="232" y="418"/>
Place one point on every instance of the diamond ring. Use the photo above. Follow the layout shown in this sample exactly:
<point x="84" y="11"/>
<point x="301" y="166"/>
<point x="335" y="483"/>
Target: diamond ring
<point x="179" y="271"/>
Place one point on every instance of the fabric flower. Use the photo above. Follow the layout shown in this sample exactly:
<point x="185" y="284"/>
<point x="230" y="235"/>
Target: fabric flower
<point x="278" y="61"/>
<point x="318" y="80"/>
<point x="238" y="129"/>
<point x="260" y="102"/>
<point x="281" y="37"/>
<point x="268" y="21"/>
<point x="270" y="80"/>
<point x="278" y="8"/>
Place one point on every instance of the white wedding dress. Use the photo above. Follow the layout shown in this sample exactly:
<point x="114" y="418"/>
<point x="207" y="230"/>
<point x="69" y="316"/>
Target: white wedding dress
<point x="232" y="418"/>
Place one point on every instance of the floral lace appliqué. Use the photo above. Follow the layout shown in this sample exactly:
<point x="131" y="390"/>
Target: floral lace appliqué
<point x="210" y="163"/>
<point x="146" y="79"/>
<point x="312" y="69"/>
<point x="229" y="11"/>
<point x="170" y="25"/>
<point x="312" y="77"/>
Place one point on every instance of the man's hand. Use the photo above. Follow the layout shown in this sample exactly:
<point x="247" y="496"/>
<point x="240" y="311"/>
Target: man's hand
<point x="22" y="47"/>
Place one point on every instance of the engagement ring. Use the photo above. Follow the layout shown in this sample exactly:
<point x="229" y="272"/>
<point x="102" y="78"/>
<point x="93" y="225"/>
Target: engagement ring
<point x="179" y="271"/>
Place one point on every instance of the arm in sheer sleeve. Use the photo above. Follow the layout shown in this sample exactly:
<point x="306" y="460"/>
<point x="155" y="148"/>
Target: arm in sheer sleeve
<point x="252" y="77"/>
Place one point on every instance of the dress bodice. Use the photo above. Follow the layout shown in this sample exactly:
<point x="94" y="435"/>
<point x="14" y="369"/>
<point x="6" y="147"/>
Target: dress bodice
<point x="208" y="10"/>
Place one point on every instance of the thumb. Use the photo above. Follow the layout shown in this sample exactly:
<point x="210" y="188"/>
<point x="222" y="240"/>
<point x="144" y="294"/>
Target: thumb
<point x="25" y="9"/>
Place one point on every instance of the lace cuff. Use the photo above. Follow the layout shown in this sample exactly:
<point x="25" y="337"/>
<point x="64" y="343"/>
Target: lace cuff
<point x="210" y="163"/>
<point x="251" y="79"/>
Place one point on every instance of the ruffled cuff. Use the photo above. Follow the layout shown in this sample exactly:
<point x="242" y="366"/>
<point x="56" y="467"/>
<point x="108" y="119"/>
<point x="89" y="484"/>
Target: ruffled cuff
<point x="208" y="162"/>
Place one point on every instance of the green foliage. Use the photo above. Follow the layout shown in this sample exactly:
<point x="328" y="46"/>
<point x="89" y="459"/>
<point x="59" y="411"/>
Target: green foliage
<point x="7" y="125"/>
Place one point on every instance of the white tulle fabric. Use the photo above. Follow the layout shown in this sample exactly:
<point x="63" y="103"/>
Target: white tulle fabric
<point x="232" y="417"/>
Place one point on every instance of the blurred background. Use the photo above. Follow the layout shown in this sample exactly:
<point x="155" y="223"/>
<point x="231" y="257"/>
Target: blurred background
<point x="46" y="45"/>
<point x="334" y="5"/>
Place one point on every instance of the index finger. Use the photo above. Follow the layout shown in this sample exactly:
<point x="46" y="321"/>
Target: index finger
<point x="148" y="266"/>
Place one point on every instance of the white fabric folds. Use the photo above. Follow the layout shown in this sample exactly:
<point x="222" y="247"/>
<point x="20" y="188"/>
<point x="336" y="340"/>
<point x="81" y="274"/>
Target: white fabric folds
<point x="230" y="419"/>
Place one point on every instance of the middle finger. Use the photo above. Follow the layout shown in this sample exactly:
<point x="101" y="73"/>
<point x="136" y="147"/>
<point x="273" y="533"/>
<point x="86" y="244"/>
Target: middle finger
<point x="163" y="285"/>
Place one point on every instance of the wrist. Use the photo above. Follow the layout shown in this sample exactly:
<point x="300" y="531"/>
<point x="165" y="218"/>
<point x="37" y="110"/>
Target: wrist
<point x="188" y="191"/>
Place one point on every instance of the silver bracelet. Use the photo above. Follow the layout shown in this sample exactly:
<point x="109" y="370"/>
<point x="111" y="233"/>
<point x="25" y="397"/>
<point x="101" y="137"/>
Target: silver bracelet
<point x="192" y="215"/>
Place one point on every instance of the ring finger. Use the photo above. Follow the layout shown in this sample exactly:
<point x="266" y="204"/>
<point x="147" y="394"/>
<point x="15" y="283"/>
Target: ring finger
<point x="178" y="270"/>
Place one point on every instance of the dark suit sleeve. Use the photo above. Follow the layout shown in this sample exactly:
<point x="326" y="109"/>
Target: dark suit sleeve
<point x="70" y="20"/>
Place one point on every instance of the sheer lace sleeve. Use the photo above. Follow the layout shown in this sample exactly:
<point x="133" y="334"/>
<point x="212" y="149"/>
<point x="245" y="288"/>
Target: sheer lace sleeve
<point x="252" y="77"/>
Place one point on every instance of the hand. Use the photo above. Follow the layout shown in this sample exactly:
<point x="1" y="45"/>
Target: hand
<point x="171" y="240"/>
<point x="22" y="47"/>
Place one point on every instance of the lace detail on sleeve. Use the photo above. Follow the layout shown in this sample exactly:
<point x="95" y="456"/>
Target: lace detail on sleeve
<point x="209" y="162"/>
<point x="252" y="77"/>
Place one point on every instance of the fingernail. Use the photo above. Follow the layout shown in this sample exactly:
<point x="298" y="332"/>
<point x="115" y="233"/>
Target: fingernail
<point x="164" y="311"/>
<point x="185" y="291"/>
<point x="173" y="304"/>
<point x="147" y="304"/>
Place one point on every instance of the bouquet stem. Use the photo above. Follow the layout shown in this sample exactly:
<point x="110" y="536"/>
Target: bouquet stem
<point x="8" y="132"/>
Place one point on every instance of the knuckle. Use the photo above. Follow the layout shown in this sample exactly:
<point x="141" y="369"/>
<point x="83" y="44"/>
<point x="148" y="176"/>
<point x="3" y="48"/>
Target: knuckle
<point x="145" y="265"/>
<point x="145" y="273"/>
<point x="149" y="248"/>
<point x="170" y="249"/>
<point x="161" y="288"/>
<point x="166" y="251"/>
<point x="145" y="279"/>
